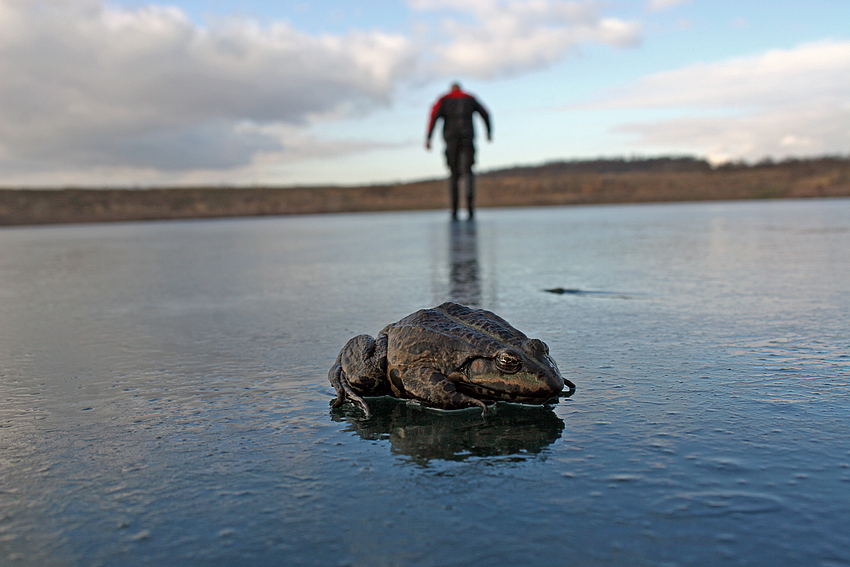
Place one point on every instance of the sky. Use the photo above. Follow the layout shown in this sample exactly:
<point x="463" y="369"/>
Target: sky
<point x="130" y="93"/>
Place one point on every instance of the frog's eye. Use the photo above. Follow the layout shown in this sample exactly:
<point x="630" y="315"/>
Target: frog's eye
<point x="508" y="361"/>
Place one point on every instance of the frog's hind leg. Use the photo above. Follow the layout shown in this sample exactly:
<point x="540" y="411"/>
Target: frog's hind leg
<point x="344" y="392"/>
<point x="360" y="370"/>
<point x="432" y="388"/>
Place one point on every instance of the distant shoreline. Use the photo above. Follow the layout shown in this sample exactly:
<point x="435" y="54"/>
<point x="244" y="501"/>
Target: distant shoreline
<point x="552" y="184"/>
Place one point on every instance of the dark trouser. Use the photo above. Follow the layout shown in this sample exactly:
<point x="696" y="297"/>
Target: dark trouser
<point x="460" y="155"/>
<point x="454" y="188"/>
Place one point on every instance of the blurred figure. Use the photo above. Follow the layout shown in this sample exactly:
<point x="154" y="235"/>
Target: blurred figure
<point x="456" y="109"/>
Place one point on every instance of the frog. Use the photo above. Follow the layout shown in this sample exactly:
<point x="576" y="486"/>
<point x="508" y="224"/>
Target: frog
<point x="449" y="357"/>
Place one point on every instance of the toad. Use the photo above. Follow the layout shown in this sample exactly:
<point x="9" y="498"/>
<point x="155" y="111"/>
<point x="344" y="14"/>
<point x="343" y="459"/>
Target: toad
<point x="448" y="357"/>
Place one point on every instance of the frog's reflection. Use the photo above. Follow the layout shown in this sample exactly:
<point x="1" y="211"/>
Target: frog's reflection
<point x="464" y="282"/>
<point x="425" y="434"/>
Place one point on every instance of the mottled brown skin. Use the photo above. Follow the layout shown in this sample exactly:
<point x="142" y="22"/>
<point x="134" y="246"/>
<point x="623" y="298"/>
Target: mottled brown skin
<point x="448" y="357"/>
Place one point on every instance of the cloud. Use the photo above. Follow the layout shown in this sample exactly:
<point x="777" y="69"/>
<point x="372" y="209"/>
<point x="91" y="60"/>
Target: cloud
<point x="778" y="77"/>
<point x="93" y="86"/>
<point x="494" y="38"/>
<point x="779" y="103"/>
<point x="781" y="133"/>
<point x="657" y="5"/>
<point x="89" y="84"/>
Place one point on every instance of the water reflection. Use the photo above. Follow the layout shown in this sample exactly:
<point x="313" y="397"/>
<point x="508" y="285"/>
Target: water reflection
<point x="464" y="279"/>
<point x="425" y="434"/>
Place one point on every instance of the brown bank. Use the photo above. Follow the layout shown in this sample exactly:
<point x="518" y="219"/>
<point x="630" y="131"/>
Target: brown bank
<point x="558" y="183"/>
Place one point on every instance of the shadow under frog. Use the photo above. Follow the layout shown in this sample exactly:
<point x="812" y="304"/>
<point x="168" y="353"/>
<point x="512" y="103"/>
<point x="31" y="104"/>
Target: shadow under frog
<point x="425" y="434"/>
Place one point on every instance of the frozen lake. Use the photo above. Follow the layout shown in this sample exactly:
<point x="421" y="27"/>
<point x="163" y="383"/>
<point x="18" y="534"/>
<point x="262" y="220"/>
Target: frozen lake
<point x="164" y="394"/>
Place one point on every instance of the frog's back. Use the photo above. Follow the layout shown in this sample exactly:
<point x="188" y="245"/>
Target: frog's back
<point x="485" y="322"/>
<point x="457" y="326"/>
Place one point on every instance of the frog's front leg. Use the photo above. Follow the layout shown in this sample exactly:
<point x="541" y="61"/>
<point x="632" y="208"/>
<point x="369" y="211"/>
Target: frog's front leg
<point x="360" y="370"/>
<point x="432" y="388"/>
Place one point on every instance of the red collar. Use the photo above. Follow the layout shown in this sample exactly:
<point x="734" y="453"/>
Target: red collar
<point x="456" y="94"/>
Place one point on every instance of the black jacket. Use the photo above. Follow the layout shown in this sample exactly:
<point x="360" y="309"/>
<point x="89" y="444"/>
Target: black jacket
<point x="456" y="110"/>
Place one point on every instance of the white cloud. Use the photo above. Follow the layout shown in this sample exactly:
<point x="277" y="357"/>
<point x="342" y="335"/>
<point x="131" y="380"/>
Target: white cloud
<point x="492" y="38"/>
<point x="777" y="133"/>
<point x="807" y="73"/>
<point x="656" y="5"/>
<point x="89" y="84"/>
<point x="779" y="103"/>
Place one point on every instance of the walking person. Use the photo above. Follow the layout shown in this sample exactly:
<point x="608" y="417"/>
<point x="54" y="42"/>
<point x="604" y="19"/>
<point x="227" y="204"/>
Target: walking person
<point x="456" y="109"/>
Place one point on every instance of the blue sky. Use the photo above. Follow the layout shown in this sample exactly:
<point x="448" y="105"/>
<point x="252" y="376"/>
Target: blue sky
<point x="134" y="93"/>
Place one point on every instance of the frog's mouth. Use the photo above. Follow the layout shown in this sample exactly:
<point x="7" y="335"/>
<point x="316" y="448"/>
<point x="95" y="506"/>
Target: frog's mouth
<point x="493" y="395"/>
<point x="510" y="380"/>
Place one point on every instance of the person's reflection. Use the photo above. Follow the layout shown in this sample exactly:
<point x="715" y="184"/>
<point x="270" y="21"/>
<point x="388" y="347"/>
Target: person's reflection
<point x="464" y="282"/>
